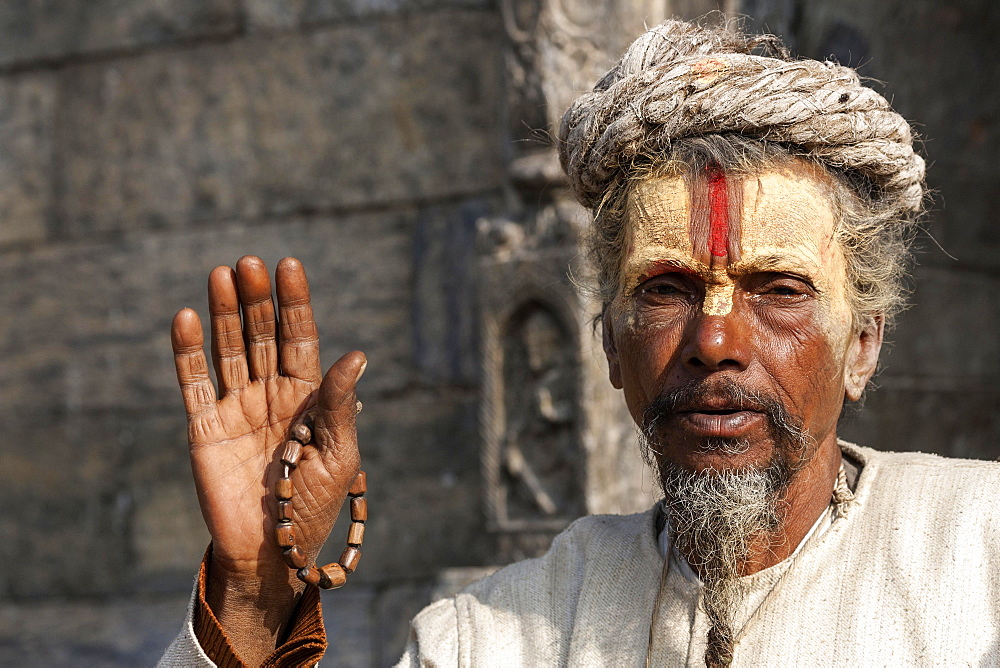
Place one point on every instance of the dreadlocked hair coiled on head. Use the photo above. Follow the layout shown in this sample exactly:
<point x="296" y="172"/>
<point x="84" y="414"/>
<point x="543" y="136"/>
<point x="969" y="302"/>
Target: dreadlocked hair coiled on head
<point x="684" y="96"/>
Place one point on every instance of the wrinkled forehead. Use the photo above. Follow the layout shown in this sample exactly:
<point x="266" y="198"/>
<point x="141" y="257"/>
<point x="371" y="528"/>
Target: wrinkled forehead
<point x="718" y="219"/>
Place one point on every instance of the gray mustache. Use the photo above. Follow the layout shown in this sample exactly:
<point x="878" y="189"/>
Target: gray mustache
<point x="785" y="427"/>
<point x="695" y="394"/>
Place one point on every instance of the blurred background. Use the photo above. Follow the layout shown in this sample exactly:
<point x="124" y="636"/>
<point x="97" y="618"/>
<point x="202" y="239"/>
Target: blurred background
<point x="398" y="148"/>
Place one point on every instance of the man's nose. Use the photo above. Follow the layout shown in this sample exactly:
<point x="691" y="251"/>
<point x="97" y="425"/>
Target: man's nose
<point x="717" y="343"/>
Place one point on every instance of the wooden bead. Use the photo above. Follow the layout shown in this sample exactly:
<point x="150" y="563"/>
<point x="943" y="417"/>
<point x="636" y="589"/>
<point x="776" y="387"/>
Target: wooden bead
<point x="283" y="490"/>
<point x="359" y="509"/>
<point x="294" y="557"/>
<point x="302" y="433"/>
<point x="356" y="534"/>
<point x="359" y="486"/>
<point x="334" y="576"/>
<point x="285" y="534"/>
<point x="331" y="576"/>
<point x="290" y="455"/>
<point x="310" y="575"/>
<point x="350" y="558"/>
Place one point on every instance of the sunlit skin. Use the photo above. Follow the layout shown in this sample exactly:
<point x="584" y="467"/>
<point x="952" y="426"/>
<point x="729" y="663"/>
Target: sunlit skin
<point x="777" y="321"/>
<point x="266" y="359"/>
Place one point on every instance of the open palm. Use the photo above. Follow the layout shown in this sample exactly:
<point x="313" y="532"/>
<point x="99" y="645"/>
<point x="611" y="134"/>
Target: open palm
<point x="269" y="374"/>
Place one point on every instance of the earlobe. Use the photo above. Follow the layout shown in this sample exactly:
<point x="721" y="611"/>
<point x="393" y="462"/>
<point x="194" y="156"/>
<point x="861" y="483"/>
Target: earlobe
<point x="611" y="351"/>
<point x="862" y="358"/>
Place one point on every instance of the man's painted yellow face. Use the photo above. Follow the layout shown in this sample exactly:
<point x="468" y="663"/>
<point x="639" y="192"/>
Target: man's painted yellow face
<point x="779" y="222"/>
<point x="740" y="280"/>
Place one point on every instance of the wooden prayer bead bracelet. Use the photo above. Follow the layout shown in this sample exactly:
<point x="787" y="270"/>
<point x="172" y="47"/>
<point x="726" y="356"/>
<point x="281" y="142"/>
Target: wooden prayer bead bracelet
<point x="333" y="575"/>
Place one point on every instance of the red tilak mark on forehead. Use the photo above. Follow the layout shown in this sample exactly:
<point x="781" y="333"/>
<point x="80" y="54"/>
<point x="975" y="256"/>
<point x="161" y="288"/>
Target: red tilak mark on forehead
<point x="718" y="197"/>
<point x="716" y="209"/>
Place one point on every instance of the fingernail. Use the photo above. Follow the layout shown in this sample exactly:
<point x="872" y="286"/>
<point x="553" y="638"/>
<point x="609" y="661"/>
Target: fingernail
<point x="361" y="371"/>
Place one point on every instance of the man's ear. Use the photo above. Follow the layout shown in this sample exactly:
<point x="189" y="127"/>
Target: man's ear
<point x="611" y="350"/>
<point x="862" y="357"/>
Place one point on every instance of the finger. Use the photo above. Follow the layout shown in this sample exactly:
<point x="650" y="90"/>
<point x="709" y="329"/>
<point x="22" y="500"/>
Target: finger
<point x="254" y="288"/>
<point x="336" y="435"/>
<point x="299" y="343"/>
<point x="189" y="358"/>
<point x="228" y="354"/>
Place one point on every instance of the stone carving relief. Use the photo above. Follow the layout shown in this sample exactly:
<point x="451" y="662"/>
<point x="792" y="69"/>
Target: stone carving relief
<point x="533" y="460"/>
<point x="552" y="431"/>
<point x="541" y="448"/>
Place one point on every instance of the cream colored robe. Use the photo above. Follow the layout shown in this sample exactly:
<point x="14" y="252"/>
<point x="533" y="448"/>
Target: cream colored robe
<point x="911" y="577"/>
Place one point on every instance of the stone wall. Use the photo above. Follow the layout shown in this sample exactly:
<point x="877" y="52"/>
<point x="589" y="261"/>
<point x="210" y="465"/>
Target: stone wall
<point x="142" y="143"/>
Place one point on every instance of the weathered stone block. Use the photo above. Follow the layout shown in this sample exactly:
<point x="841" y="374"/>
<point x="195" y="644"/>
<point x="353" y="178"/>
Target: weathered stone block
<point x="420" y="451"/>
<point x="960" y="420"/>
<point x="274" y="14"/>
<point x="270" y="14"/>
<point x="395" y="607"/>
<point x="92" y="325"/>
<point x="117" y="487"/>
<point x="110" y="503"/>
<point x="693" y="9"/>
<point x="350" y="611"/>
<point x="52" y="30"/>
<point x="350" y="117"/>
<point x="950" y="332"/>
<point x="113" y="633"/>
<point x="72" y="535"/>
<point x="167" y="534"/>
<point x="27" y="125"/>
<point x="445" y="320"/>
<point x="962" y="220"/>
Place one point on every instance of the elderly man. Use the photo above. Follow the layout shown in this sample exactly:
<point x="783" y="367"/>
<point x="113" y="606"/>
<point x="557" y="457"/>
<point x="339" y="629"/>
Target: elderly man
<point x="751" y="222"/>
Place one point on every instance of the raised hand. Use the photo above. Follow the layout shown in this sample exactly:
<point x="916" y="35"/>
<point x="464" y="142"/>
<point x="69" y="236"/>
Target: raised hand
<point x="269" y="373"/>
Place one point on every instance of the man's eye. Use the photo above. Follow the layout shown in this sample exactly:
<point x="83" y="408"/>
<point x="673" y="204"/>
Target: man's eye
<point x="786" y="290"/>
<point x="662" y="289"/>
<point x="665" y="287"/>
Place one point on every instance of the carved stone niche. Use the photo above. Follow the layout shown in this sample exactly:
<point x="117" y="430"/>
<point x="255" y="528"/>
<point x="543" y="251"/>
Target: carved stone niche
<point x="557" y="440"/>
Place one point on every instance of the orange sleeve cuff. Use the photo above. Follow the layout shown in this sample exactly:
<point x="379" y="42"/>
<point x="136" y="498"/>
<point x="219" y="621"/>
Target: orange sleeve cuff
<point x="305" y="637"/>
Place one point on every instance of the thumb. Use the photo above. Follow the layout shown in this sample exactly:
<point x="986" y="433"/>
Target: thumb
<point x="336" y="412"/>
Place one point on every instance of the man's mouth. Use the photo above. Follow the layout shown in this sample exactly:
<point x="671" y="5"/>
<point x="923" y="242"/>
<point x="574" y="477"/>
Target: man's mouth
<point x="727" y="422"/>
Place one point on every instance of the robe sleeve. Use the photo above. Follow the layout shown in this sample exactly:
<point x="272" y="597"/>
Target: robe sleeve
<point x="203" y="642"/>
<point x="433" y="637"/>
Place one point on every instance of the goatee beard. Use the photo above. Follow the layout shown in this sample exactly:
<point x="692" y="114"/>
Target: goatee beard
<point x="717" y="517"/>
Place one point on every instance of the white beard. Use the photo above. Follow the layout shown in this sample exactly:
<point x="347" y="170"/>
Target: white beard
<point x="715" y="517"/>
